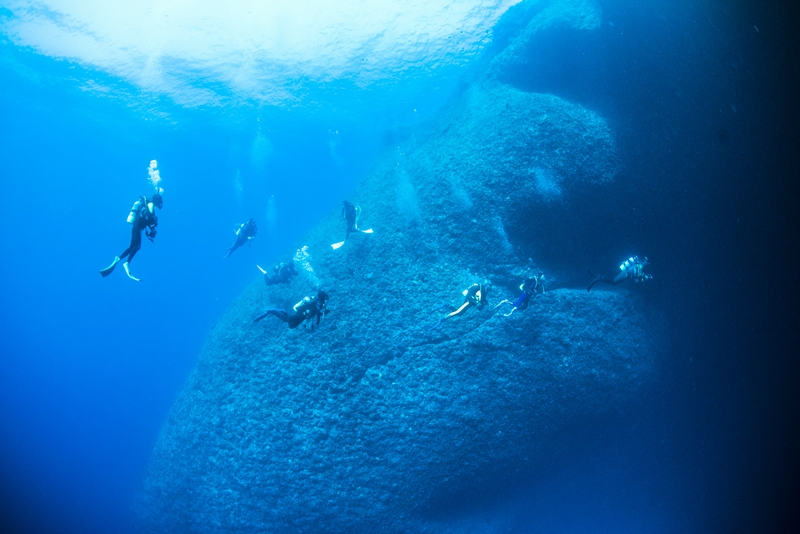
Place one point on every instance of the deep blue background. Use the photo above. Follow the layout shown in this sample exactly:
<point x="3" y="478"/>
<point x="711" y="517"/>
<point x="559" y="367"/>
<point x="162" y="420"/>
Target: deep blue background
<point x="704" y="107"/>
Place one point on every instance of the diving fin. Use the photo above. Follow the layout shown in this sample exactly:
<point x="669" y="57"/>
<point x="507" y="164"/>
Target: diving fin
<point x="367" y="231"/>
<point x="110" y="269"/>
<point x="337" y="245"/>
<point x="128" y="272"/>
<point x="262" y="270"/>
<point x="598" y="278"/>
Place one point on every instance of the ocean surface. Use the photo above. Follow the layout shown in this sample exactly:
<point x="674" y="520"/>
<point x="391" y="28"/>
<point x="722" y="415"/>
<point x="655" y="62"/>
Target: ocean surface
<point x="273" y="112"/>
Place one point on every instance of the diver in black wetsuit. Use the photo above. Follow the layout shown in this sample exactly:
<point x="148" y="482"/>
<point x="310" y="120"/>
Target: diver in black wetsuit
<point x="474" y="295"/>
<point x="630" y="268"/>
<point x="142" y="217"/>
<point x="283" y="274"/>
<point x="529" y="287"/>
<point x="351" y="213"/>
<point x="246" y="232"/>
<point x="308" y="308"/>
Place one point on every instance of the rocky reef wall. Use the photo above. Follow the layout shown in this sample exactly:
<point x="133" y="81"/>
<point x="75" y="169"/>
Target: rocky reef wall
<point x="376" y="419"/>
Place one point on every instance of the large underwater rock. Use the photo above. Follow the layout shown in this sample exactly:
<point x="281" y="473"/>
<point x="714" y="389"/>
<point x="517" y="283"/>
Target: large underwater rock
<point x="368" y="422"/>
<point x="376" y="421"/>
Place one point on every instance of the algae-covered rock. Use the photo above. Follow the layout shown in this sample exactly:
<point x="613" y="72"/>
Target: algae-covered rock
<point x="363" y="424"/>
<point x="494" y="165"/>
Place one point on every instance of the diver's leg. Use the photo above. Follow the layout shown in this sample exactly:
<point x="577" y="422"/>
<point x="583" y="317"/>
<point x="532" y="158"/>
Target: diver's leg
<point x="620" y="277"/>
<point x="134" y="248"/>
<point x="130" y="252"/>
<point x="295" y="320"/>
<point x="240" y="240"/>
<point x="280" y="314"/>
<point x="136" y="244"/>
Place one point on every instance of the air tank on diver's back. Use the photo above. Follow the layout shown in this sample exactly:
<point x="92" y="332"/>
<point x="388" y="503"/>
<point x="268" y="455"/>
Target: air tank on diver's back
<point x="134" y="211"/>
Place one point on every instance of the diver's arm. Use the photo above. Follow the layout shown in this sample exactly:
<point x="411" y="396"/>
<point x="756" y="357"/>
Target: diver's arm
<point x="456" y="312"/>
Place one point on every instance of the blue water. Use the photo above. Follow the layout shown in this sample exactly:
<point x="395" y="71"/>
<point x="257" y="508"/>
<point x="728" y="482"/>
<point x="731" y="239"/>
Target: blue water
<point x="701" y="96"/>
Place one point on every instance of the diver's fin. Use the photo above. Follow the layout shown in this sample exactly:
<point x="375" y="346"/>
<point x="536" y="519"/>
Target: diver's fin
<point x="110" y="269"/>
<point x="367" y="231"/>
<point x="598" y="278"/>
<point x="504" y="302"/>
<point x="128" y="272"/>
<point x="337" y="245"/>
<point x="509" y="313"/>
<point x="262" y="270"/>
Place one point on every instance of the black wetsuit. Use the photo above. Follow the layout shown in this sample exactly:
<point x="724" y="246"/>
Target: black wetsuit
<point x="246" y="231"/>
<point x="144" y="219"/>
<point x="283" y="274"/>
<point x="350" y="214"/>
<point x="308" y="308"/>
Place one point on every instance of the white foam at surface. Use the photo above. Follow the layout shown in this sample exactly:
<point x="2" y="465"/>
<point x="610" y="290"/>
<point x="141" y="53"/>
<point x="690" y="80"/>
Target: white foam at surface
<point x="275" y="52"/>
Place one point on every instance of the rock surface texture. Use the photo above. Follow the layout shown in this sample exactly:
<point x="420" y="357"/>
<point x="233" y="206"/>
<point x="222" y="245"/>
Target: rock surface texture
<point x="376" y="419"/>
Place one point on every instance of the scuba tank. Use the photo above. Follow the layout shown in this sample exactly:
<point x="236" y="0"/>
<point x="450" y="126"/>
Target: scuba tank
<point x="300" y="304"/>
<point x="628" y="264"/>
<point x="134" y="211"/>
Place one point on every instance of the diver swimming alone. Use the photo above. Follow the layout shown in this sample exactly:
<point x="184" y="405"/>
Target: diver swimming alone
<point x="529" y="287"/>
<point x="474" y="295"/>
<point x="244" y="233"/>
<point x="282" y="274"/>
<point x="351" y="214"/>
<point x="308" y="308"/>
<point x="142" y="216"/>
<point x="630" y="268"/>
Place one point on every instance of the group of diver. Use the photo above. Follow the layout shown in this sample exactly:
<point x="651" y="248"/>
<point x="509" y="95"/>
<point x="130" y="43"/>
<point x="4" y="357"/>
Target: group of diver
<point x="476" y="294"/>
<point x="143" y="218"/>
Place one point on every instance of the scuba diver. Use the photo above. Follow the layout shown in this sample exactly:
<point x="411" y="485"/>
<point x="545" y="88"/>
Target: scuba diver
<point x="283" y="274"/>
<point x="631" y="268"/>
<point x="474" y="295"/>
<point x="308" y="308"/>
<point x="529" y="287"/>
<point x="246" y="232"/>
<point x="351" y="213"/>
<point x="143" y="217"/>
